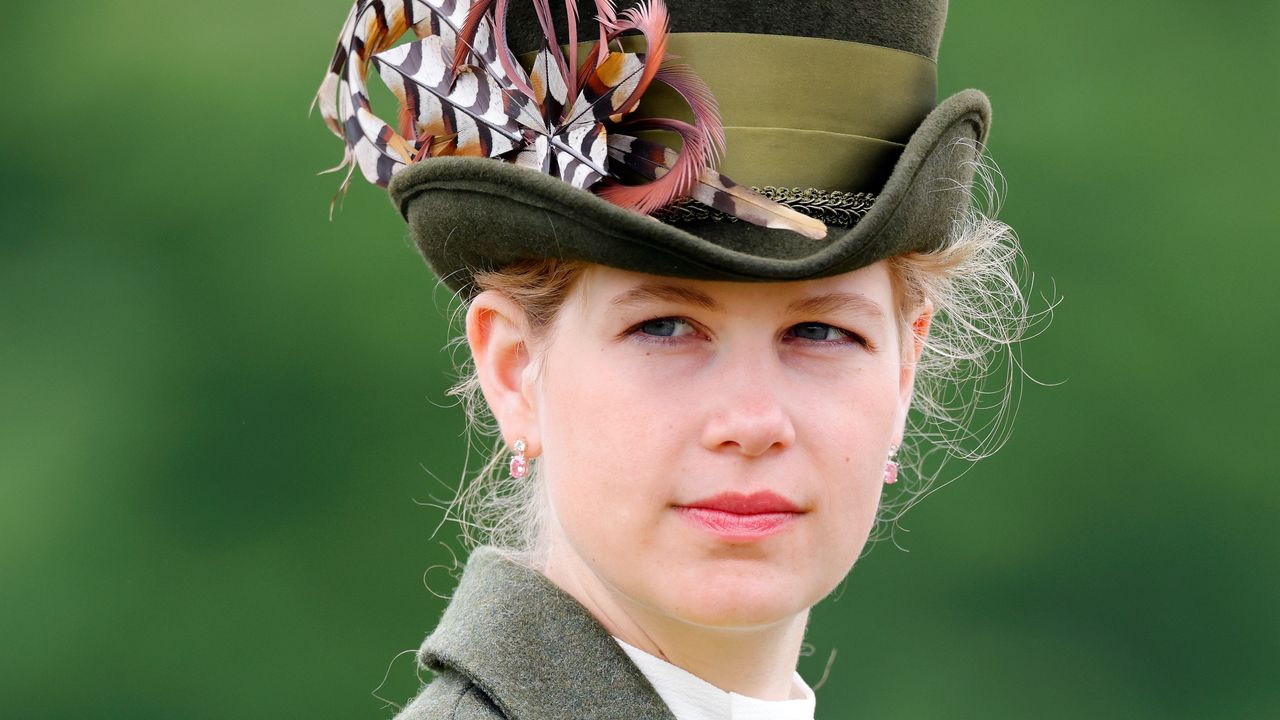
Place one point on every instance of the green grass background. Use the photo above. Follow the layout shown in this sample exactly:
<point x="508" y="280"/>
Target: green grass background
<point x="220" y="413"/>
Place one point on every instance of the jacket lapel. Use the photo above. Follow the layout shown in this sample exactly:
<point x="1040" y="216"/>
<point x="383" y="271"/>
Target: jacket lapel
<point x="534" y="650"/>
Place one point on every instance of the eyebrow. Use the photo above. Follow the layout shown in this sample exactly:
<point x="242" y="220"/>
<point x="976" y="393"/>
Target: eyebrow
<point x="818" y="304"/>
<point x="836" y="302"/>
<point x="652" y="292"/>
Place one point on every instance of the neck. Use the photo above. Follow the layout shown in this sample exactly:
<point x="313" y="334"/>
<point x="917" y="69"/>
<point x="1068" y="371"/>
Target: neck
<point x="758" y="661"/>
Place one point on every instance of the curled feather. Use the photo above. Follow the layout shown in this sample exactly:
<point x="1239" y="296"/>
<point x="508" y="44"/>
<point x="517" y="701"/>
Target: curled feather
<point x="676" y="181"/>
<point x="372" y="144"/>
<point x="694" y="91"/>
<point x="653" y="161"/>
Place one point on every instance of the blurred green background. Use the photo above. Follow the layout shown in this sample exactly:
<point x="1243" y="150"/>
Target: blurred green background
<point x="222" y="416"/>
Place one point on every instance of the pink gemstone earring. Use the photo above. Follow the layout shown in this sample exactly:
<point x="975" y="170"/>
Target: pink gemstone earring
<point x="519" y="466"/>
<point x="891" y="466"/>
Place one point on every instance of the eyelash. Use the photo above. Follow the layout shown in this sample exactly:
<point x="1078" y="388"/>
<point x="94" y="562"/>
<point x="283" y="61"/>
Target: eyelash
<point x="635" y="330"/>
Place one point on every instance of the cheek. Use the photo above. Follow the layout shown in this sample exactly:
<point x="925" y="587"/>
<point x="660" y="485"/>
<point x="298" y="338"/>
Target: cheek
<point x="849" y="445"/>
<point x="605" y="452"/>
<point x="614" y="408"/>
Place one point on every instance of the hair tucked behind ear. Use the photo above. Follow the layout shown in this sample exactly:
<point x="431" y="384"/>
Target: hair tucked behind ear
<point x="492" y="508"/>
<point x="967" y="388"/>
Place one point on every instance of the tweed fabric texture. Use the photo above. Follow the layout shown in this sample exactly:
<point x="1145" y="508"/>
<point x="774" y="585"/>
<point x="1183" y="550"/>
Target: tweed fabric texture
<point x="513" y="645"/>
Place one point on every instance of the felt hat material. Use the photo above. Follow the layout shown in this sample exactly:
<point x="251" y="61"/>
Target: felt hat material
<point x="474" y="213"/>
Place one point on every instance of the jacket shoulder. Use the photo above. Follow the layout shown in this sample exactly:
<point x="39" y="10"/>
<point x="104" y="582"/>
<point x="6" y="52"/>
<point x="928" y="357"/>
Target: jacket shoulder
<point x="451" y="696"/>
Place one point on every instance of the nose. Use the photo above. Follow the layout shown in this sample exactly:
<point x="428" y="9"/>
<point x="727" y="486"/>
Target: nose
<point x="748" y="416"/>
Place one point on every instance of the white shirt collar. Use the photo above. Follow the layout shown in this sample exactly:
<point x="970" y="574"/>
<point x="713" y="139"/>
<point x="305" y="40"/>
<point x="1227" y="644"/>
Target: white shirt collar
<point x="692" y="698"/>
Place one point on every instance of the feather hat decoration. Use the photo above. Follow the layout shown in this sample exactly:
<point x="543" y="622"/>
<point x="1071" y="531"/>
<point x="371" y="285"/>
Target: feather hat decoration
<point x="462" y="93"/>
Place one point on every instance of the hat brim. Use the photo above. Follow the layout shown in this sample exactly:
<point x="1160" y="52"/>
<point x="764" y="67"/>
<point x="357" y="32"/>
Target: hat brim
<point x="468" y="214"/>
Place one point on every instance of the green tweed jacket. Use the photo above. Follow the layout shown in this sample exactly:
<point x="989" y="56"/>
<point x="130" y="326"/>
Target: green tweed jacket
<point x="513" y="645"/>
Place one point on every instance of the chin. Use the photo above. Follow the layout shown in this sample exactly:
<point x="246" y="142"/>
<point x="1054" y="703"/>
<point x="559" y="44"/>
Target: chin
<point x="752" y="585"/>
<point x="738" y="595"/>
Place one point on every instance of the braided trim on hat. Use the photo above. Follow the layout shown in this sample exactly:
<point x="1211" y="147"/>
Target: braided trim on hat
<point x="832" y="207"/>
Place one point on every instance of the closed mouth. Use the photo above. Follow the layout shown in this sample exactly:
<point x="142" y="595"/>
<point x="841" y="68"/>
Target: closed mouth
<point x="738" y="517"/>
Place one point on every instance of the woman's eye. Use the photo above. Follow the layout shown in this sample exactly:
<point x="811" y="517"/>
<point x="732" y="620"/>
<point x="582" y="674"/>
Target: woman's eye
<point x="665" y="327"/>
<point x="822" y="332"/>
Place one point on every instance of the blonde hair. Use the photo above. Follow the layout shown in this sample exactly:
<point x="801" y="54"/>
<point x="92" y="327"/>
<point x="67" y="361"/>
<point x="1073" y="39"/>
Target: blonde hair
<point x="980" y="314"/>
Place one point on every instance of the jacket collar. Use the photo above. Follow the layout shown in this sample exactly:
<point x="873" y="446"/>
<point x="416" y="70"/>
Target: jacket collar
<point x="534" y="650"/>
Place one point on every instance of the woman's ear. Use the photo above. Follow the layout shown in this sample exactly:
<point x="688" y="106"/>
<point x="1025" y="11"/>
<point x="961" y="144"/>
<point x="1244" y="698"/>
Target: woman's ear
<point x="912" y="347"/>
<point x="498" y="335"/>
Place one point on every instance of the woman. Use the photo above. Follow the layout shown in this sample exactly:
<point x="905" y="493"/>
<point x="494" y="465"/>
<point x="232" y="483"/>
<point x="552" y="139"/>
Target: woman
<point x="699" y="388"/>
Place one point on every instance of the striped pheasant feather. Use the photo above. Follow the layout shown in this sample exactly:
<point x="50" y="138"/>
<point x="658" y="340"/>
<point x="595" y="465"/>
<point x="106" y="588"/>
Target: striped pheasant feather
<point x="472" y="108"/>
<point x="470" y="112"/>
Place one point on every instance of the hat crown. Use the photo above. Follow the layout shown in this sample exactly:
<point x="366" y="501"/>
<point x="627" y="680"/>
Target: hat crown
<point x="827" y="107"/>
<point x="914" y="26"/>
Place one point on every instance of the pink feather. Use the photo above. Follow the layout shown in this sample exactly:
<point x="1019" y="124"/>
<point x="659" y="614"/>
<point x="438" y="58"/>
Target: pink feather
<point x="703" y="143"/>
<point x="676" y="183"/>
<point x="606" y="15"/>
<point x="706" y="111"/>
<point x="504" y="50"/>
<point x="571" y="10"/>
<point x="651" y="20"/>
<point x="467" y="33"/>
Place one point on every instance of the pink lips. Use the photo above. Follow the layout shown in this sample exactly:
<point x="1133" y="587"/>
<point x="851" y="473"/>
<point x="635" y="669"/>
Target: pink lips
<point x="735" y="517"/>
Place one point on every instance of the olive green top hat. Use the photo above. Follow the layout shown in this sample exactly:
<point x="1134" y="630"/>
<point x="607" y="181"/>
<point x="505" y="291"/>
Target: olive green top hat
<point x="828" y="107"/>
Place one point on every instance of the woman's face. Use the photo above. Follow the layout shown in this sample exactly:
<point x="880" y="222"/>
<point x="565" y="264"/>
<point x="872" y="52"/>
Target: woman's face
<point x="715" y="451"/>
